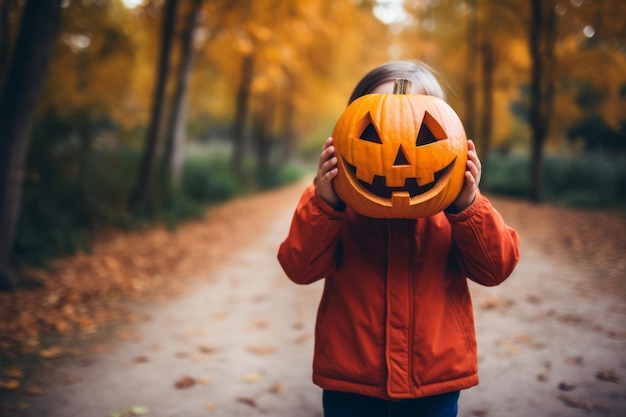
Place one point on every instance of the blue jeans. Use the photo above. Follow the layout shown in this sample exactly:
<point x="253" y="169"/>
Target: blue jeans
<point x="344" y="404"/>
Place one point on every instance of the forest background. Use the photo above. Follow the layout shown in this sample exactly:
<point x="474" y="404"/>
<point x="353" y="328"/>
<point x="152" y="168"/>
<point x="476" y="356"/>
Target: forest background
<point x="126" y="112"/>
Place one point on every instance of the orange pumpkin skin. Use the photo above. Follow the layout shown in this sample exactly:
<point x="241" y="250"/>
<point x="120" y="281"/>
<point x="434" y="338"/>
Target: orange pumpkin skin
<point x="399" y="155"/>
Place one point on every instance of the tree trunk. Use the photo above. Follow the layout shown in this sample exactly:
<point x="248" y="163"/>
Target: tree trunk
<point x="263" y="132"/>
<point x="241" y="111"/>
<point x="290" y="141"/>
<point x="287" y="130"/>
<point x="469" y="89"/>
<point x="18" y="100"/>
<point x="145" y="191"/>
<point x="542" y="41"/>
<point x="5" y="41"/>
<point x="486" y="124"/>
<point x="178" y="118"/>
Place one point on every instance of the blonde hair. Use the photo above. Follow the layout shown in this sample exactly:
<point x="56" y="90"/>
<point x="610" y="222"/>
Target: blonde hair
<point x="421" y="74"/>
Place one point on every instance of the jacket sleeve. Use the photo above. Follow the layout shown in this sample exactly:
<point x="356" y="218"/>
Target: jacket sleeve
<point x="308" y="252"/>
<point x="488" y="248"/>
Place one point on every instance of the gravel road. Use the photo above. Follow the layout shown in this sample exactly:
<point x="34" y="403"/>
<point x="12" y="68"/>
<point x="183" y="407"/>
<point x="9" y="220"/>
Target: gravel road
<point x="239" y="341"/>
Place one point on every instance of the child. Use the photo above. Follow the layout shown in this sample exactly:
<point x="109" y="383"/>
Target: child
<point x="395" y="332"/>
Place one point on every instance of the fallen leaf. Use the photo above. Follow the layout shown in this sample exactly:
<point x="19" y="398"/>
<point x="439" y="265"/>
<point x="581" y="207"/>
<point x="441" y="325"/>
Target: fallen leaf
<point x="99" y="349"/>
<point x="616" y="334"/>
<point x="11" y="384"/>
<point x="542" y="377"/>
<point x="522" y="338"/>
<point x="258" y="324"/>
<point x="204" y="380"/>
<point x="514" y="350"/>
<point x="251" y="378"/>
<point x="13" y="372"/>
<point x="62" y="326"/>
<point x="140" y="359"/>
<point x="71" y="380"/>
<point x="210" y="406"/>
<point x="564" y="386"/>
<point x="277" y="388"/>
<point x="33" y="391"/>
<point x="491" y="303"/>
<point x="262" y="350"/>
<point x="303" y="338"/>
<point x="480" y="412"/>
<point x="533" y="299"/>
<point x="129" y="336"/>
<point x="196" y="332"/>
<point x="139" y="410"/>
<point x="206" y="349"/>
<point x="247" y="401"/>
<point x="51" y="352"/>
<point x="185" y="382"/>
<point x="608" y="376"/>
<point x="538" y="345"/>
<point x="575" y="402"/>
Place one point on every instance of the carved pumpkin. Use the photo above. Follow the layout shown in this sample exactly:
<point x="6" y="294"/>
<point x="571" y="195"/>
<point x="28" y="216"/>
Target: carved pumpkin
<point x="399" y="155"/>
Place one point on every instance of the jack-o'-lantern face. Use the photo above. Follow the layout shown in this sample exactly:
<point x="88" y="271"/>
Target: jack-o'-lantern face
<point x="399" y="155"/>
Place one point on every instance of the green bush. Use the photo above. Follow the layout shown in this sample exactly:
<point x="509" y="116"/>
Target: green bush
<point x="207" y="179"/>
<point x="507" y="175"/>
<point x="591" y="180"/>
<point x="61" y="209"/>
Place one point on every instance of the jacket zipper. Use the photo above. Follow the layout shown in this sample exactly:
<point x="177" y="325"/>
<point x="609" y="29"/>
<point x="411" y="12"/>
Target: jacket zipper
<point x="411" y="247"/>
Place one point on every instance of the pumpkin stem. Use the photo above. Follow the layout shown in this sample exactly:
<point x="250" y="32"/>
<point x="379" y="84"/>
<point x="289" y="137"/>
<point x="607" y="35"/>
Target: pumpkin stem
<point x="402" y="86"/>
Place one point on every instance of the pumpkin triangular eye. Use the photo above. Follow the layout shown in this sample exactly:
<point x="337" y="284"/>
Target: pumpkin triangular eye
<point x="430" y="131"/>
<point x="425" y="136"/>
<point x="370" y="134"/>
<point x="401" y="158"/>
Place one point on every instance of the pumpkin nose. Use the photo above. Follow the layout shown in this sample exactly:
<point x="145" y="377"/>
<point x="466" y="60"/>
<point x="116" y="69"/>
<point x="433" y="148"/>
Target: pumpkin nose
<point x="401" y="159"/>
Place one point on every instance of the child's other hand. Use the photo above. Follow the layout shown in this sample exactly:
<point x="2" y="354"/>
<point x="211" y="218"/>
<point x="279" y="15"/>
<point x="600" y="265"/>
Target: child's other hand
<point x="326" y="171"/>
<point x="472" y="179"/>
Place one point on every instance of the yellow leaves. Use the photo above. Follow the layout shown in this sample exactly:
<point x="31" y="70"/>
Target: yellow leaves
<point x="259" y="32"/>
<point x="11" y="384"/>
<point x="51" y="352"/>
<point x="251" y="378"/>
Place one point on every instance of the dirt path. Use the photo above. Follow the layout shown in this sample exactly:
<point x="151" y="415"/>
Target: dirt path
<point x="239" y="340"/>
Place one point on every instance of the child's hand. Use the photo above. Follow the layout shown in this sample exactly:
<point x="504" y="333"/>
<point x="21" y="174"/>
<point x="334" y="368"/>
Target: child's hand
<point x="326" y="171"/>
<point x="472" y="179"/>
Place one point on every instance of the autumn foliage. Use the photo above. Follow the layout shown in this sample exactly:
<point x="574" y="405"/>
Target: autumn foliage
<point x="267" y="80"/>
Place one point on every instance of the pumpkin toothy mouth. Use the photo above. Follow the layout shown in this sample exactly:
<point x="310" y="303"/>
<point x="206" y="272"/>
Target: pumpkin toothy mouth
<point x="380" y="188"/>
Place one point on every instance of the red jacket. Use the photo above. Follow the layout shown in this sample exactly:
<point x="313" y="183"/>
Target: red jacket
<point x="395" y="319"/>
